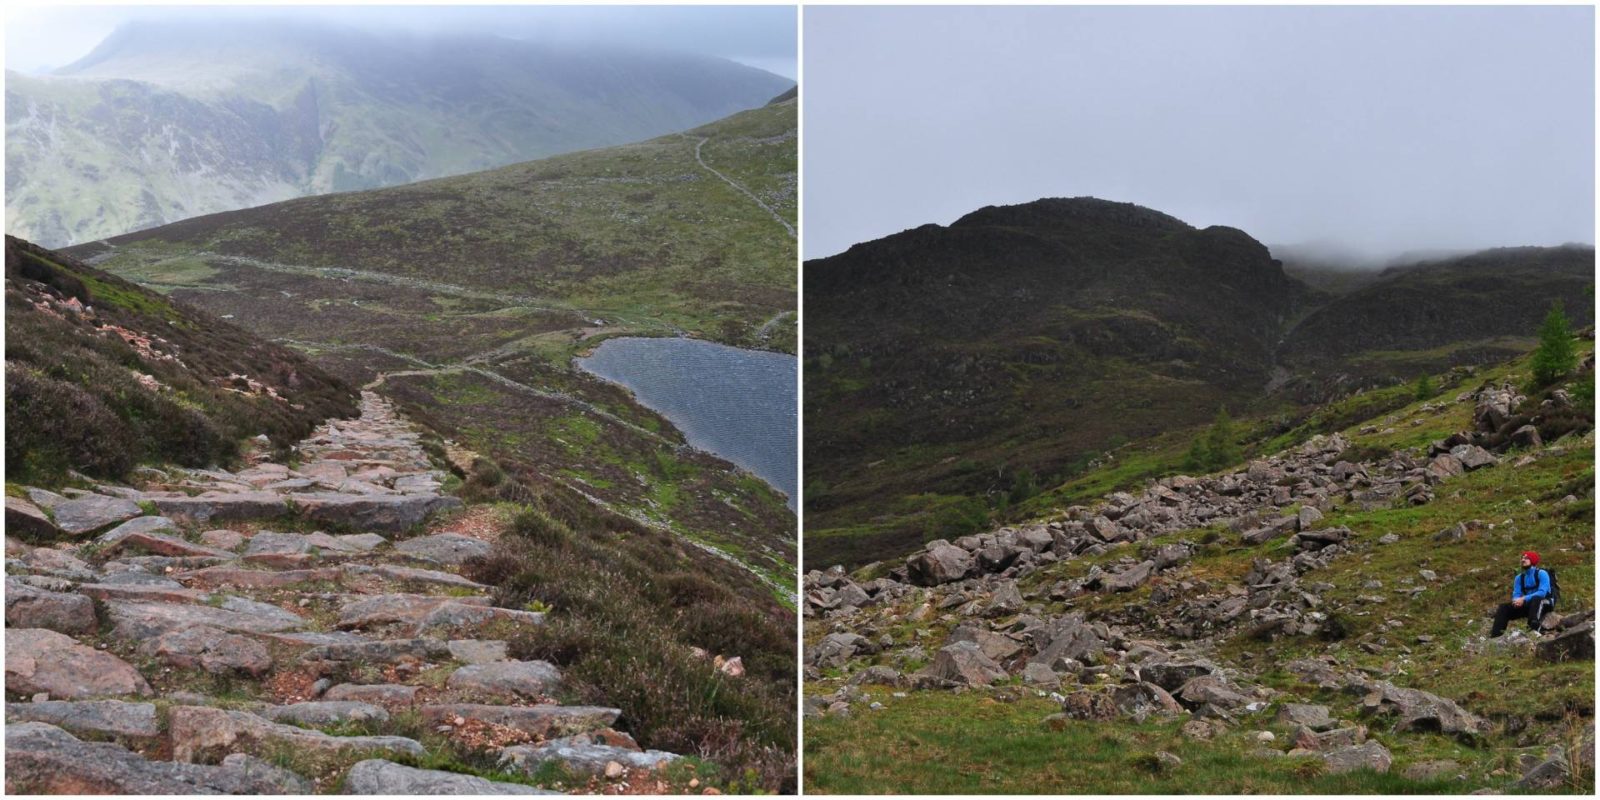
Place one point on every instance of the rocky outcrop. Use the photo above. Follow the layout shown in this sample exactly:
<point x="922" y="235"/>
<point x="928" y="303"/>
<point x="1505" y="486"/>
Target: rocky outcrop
<point x="376" y="776"/>
<point x="45" y="662"/>
<point x="44" y="759"/>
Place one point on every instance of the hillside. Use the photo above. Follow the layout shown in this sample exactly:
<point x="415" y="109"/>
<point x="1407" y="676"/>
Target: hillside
<point x="465" y="299"/>
<point x="168" y="120"/>
<point x="953" y="372"/>
<point x="230" y="572"/>
<point x="103" y="376"/>
<point x="1311" y="622"/>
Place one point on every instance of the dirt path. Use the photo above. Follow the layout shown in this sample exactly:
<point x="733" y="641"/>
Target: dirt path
<point x="746" y="192"/>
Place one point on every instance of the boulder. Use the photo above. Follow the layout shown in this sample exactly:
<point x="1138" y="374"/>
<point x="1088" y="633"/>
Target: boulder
<point x="30" y="607"/>
<point x="1069" y="637"/>
<point x="506" y="680"/>
<point x="1141" y="700"/>
<point x="1130" y="578"/>
<point x="42" y="661"/>
<point x="939" y="564"/>
<point x="835" y="650"/>
<point x="1314" y="717"/>
<point x="101" y="718"/>
<point x="1172" y="675"/>
<point x="377" y="776"/>
<point x="1005" y="600"/>
<point x="1473" y="457"/>
<point x="1211" y="694"/>
<point x="1421" y="711"/>
<point x="963" y="664"/>
<point x="995" y="646"/>
<point x="1574" y="644"/>
<point x="1369" y="755"/>
<point x="44" y="759"/>
<point x="1526" y="436"/>
<point x="210" y="649"/>
<point x="208" y="734"/>
<point x="27" y="521"/>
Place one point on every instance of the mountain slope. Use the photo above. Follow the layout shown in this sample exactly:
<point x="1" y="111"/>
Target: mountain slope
<point x="103" y="375"/>
<point x="1334" y="593"/>
<point x="166" y="121"/>
<point x="466" y="298"/>
<point x="952" y="372"/>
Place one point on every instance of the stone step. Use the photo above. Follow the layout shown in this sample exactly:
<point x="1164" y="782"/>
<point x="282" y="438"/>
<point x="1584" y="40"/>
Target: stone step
<point x="319" y="713"/>
<point x="369" y="611"/>
<point x="44" y="759"/>
<point x="581" y="755"/>
<point x="511" y="681"/>
<point x="377" y="776"/>
<point x="244" y="578"/>
<point x="138" y="621"/>
<point x="100" y="718"/>
<point x="203" y="734"/>
<point x="41" y="661"/>
<point x="543" y="721"/>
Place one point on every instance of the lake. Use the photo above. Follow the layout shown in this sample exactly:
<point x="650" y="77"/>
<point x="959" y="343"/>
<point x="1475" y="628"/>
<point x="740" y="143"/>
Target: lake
<point x="739" y="404"/>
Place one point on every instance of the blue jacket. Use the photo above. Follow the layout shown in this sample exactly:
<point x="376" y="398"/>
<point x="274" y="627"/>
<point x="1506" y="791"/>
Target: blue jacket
<point x="1532" y="583"/>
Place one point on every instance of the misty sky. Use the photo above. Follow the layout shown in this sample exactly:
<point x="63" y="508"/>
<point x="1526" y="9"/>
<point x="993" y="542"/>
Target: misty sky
<point x="1377" y="129"/>
<point x="42" y="37"/>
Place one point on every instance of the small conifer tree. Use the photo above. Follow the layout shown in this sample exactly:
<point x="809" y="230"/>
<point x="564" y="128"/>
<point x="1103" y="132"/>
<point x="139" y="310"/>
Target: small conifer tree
<point x="1557" y="354"/>
<point x="1425" y="388"/>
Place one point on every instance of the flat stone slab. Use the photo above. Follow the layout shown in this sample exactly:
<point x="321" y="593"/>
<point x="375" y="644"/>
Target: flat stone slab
<point x="210" y="649"/>
<point x="414" y="575"/>
<point x="142" y="592"/>
<point x="207" y="734"/>
<point x="91" y="717"/>
<point x="506" y="680"/>
<point x="444" y="548"/>
<point x="143" y="620"/>
<point x="163" y="544"/>
<point x="92" y="512"/>
<point x="45" y="661"/>
<point x="385" y="651"/>
<point x="383" y="694"/>
<point x="136" y="525"/>
<point x="376" y="776"/>
<point x="386" y="608"/>
<point x="325" y="712"/>
<point x="31" y="607"/>
<point x="215" y="577"/>
<point x="478" y="651"/>
<point x="44" y="759"/>
<point x="375" y="513"/>
<point x="346" y="543"/>
<point x="221" y="507"/>
<point x="544" y="721"/>
<point x="580" y="756"/>
<point x="60" y="563"/>
<point x="447" y="617"/>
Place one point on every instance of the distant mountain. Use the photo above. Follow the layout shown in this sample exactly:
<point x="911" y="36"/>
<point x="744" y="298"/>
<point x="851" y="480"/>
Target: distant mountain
<point x="166" y="121"/>
<point x="950" y="367"/>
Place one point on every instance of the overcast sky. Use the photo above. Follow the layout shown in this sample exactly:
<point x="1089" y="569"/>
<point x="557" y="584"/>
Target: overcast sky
<point x="41" y="37"/>
<point x="1377" y="129"/>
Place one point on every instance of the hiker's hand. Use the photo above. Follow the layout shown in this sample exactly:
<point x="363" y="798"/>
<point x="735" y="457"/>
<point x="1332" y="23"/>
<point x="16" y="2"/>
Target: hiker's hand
<point x="1517" y="602"/>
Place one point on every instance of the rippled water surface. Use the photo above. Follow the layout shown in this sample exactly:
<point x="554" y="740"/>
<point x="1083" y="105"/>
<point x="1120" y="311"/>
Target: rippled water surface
<point x="739" y="404"/>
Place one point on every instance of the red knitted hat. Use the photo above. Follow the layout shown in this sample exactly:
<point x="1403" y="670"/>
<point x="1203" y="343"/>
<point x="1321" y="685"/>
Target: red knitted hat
<point x="1533" y="558"/>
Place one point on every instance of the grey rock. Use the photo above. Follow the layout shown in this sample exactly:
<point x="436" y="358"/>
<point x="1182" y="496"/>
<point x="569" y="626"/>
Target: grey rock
<point x="478" y="651"/>
<point x="27" y="521"/>
<point x="210" y="649"/>
<point x="206" y="734"/>
<point x="377" y="776"/>
<point x="1130" y="578"/>
<point x="1370" y="755"/>
<point x="44" y="759"/>
<point x="444" y="548"/>
<point x="29" y="607"/>
<point x="939" y="564"/>
<point x="544" y="721"/>
<point x="1314" y="717"/>
<point x="135" y="721"/>
<point x="1574" y="644"/>
<point x="963" y="664"/>
<point x="373" y="513"/>
<point x="1421" y="711"/>
<point x="254" y="768"/>
<point x="581" y="756"/>
<point x="223" y="507"/>
<point x="139" y="621"/>
<point x="506" y="680"/>
<point x="384" y="694"/>
<point x="325" y="712"/>
<point x="92" y="512"/>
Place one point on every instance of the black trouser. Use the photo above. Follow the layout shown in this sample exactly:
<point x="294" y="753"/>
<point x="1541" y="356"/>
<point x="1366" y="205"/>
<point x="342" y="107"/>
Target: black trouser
<point x="1533" y="611"/>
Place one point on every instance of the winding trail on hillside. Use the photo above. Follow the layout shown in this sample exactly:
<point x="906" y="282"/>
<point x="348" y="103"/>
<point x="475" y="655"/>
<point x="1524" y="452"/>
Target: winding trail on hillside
<point x="734" y="184"/>
<point x="766" y="327"/>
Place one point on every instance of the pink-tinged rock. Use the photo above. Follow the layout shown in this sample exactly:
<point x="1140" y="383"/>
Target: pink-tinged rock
<point x="44" y="661"/>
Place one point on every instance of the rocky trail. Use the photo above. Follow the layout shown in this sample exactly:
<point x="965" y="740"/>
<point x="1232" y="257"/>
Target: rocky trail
<point x="202" y="633"/>
<point x="789" y="229"/>
<point x="989" y="612"/>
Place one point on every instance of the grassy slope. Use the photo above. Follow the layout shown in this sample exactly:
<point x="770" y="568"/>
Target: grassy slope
<point x="517" y="270"/>
<point x="1001" y="746"/>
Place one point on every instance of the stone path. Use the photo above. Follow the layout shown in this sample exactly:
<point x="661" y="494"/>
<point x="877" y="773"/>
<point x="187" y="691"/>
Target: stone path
<point x="165" y="639"/>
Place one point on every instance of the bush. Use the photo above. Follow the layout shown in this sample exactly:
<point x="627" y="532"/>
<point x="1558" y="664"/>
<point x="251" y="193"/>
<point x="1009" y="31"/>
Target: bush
<point x="1217" y="448"/>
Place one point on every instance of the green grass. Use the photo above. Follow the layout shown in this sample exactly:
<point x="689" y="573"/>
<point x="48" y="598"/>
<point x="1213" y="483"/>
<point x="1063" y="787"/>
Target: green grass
<point x="942" y="743"/>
